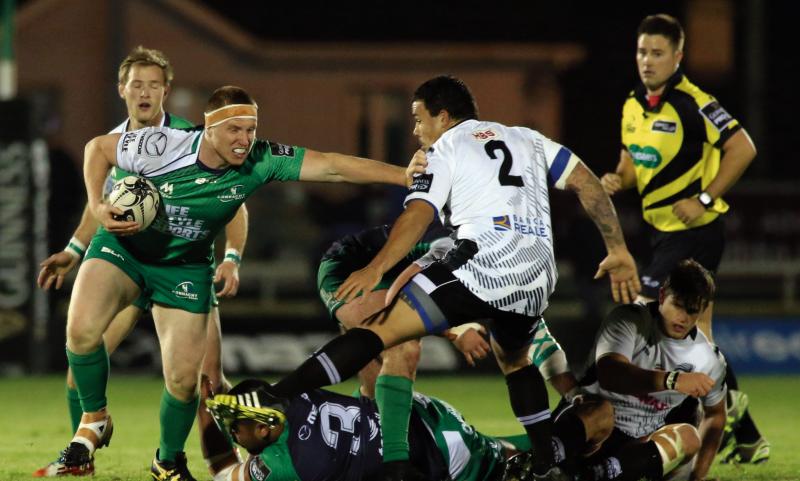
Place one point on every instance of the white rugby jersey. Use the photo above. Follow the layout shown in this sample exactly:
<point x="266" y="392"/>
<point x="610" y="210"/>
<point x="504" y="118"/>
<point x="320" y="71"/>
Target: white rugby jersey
<point x="490" y="182"/>
<point x="633" y="331"/>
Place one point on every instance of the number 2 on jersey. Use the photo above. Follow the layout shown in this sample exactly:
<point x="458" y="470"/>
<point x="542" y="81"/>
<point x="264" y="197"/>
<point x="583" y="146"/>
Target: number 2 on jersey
<point x="504" y="176"/>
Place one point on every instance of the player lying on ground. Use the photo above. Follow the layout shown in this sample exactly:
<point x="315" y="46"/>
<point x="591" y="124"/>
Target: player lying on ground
<point x="648" y="359"/>
<point x="323" y="436"/>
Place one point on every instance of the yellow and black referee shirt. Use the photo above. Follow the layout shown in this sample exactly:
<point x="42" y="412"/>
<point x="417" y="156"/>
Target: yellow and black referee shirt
<point x="676" y="148"/>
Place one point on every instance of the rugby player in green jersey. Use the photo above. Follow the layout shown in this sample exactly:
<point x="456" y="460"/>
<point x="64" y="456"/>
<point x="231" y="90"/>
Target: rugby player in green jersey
<point x="325" y="436"/>
<point x="203" y="177"/>
<point x="145" y="77"/>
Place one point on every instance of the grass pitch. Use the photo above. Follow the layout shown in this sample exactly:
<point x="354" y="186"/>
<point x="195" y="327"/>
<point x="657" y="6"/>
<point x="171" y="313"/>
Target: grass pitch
<point x="38" y="426"/>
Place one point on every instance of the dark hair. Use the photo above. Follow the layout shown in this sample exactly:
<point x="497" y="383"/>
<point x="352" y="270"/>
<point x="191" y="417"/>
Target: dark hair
<point x="663" y="24"/>
<point x="691" y="284"/>
<point x="228" y="95"/>
<point x="449" y="93"/>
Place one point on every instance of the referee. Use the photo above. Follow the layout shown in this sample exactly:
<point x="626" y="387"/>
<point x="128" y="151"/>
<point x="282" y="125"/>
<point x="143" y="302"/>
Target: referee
<point x="682" y="151"/>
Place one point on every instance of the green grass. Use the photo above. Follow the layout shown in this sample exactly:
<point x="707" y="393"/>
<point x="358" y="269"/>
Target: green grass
<point x="36" y="416"/>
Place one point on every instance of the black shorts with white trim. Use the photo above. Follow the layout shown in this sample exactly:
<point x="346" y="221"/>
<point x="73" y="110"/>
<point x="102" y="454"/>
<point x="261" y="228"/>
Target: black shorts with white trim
<point x="442" y="301"/>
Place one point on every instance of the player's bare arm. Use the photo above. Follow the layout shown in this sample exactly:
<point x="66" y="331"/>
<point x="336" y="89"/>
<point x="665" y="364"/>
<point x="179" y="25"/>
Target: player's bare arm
<point x="333" y="167"/>
<point x="710" y="434"/>
<point x="235" y="240"/>
<point x="58" y="265"/>
<point x="406" y="231"/>
<point x="99" y="156"/>
<point x="737" y="154"/>
<point x="619" y="263"/>
<point x="616" y="373"/>
<point x="624" y="178"/>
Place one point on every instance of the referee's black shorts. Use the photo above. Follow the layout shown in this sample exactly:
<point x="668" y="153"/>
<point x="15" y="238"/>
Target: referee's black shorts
<point x="703" y="244"/>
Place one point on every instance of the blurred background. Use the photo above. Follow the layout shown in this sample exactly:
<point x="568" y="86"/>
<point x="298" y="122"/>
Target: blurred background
<point x="338" y="77"/>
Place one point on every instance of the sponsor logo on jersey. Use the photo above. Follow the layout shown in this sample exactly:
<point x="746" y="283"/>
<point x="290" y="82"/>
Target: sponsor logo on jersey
<point x="155" y="144"/>
<point x="422" y="183"/>
<point x="127" y="139"/>
<point x="685" y="367"/>
<point x="234" y="193"/>
<point x="108" y="250"/>
<point x="185" y="290"/>
<point x="484" y="134"/>
<point x="180" y="223"/>
<point x="665" y="126"/>
<point x="281" y="150"/>
<point x="521" y="225"/>
<point x="717" y="115"/>
<point x="258" y="470"/>
<point x="304" y="432"/>
<point x="647" y="157"/>
<point x="502" y="222"/>
<point x="654" y="403"/>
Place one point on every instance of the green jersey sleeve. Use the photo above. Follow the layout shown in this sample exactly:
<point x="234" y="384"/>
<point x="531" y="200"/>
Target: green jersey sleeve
<point x="177" y="122"/>
<point x="274" y="462"/>
<point x="274" y="161"/>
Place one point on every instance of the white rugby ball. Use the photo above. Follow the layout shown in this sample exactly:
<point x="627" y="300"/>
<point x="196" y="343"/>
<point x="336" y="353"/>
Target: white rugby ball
<point x="137" y="198"/>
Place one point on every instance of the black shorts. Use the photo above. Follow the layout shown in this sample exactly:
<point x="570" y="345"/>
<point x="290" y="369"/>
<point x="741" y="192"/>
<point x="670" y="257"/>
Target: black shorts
<point x="442" y="301"/>
<point x="703" y="244"/>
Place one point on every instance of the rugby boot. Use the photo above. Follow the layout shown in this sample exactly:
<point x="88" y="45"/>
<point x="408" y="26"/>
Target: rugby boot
<point x="753" y="453"/>
<point x="75" y="460"/>
<point x="171" y="470"/>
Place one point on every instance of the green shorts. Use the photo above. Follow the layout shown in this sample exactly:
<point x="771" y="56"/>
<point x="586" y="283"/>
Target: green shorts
<point x="187" y="287"/>
<point x="144" y="302"/>
<point x="471" y="456"/>
<point x="331" y="274"/>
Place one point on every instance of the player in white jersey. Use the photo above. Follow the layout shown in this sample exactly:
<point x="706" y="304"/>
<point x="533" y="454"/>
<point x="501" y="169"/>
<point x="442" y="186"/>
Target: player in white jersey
<point x="648" y="359"/>
<point x="490" y="182"/>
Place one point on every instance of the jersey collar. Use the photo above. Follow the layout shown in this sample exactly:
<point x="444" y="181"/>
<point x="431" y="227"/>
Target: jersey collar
<point x="640" y="92"/>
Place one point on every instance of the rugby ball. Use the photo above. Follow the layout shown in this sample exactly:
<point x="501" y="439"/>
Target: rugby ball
<point x="137" y="198"/>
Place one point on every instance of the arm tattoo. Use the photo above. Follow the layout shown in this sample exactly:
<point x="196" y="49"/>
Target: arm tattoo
<point x="597" y="204"/>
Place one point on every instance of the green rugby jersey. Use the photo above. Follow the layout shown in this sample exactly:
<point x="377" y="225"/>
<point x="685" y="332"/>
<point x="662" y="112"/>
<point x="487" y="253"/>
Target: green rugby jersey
<point x="196" y="201"/>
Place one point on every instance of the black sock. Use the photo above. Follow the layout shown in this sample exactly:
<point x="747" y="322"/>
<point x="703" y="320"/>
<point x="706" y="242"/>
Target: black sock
<point x="730" y="378"/>
<point x="571" y="433"/>
<point x="336" y="361"/>
<point x="746" y="432"/>
<point x="528" y="396"/>
<point x="632" y="463"/>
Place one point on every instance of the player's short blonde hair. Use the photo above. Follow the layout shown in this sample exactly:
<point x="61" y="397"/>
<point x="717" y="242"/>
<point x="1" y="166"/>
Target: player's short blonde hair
<point x="145" y="56"/>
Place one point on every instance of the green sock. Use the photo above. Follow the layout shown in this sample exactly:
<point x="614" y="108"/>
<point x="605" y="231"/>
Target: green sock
<point x="90" y="372"/>
<point x="74" y="405"/>
<point x="393" y="395"/>
<point x="176" y="419"/>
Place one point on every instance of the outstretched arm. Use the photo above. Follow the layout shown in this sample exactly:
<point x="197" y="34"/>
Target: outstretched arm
<point x="619" y="263"/>
<point x="333" y="167"/>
